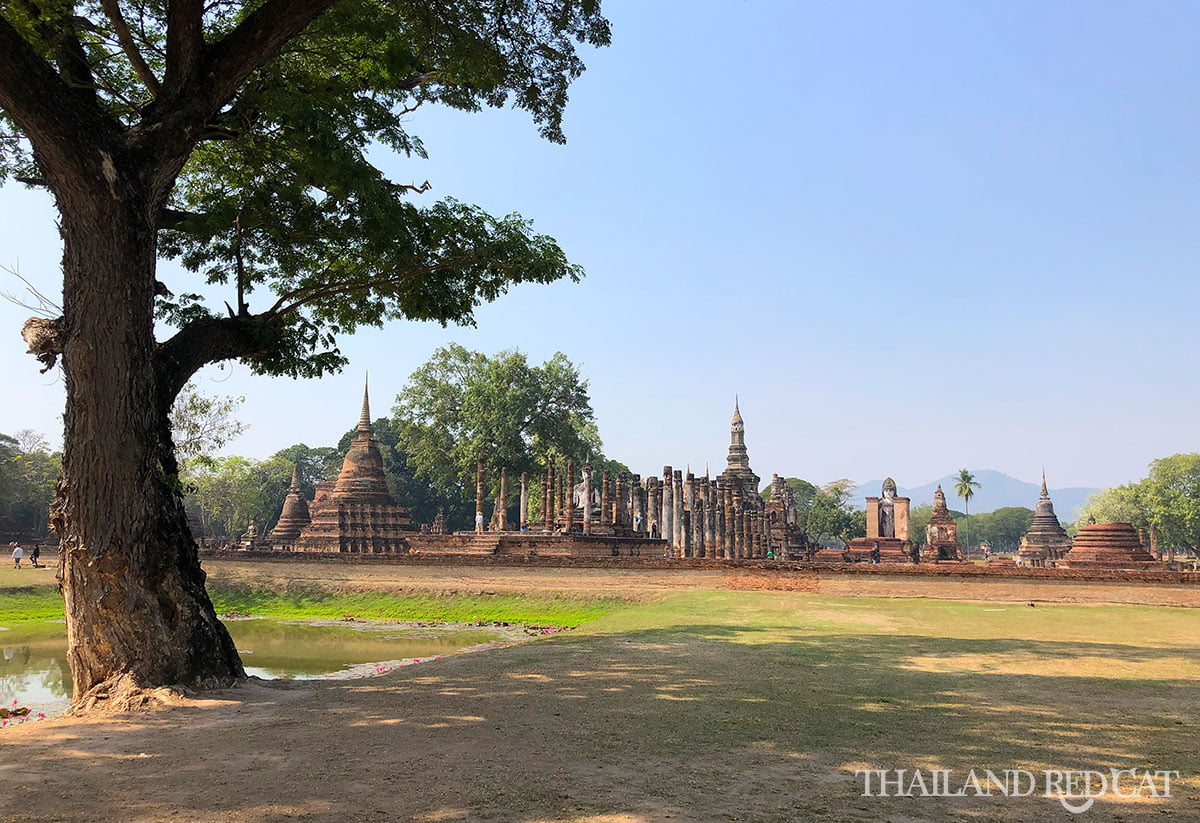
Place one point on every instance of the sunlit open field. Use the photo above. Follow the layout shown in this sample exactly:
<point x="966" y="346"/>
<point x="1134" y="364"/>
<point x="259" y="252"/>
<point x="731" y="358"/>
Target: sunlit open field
<point x="695" y="704"/>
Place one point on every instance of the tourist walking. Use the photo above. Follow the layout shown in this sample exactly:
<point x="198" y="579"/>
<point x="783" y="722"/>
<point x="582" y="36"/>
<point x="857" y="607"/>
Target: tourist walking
<point x="35" y="554"/>
<point x="17" y="555"/>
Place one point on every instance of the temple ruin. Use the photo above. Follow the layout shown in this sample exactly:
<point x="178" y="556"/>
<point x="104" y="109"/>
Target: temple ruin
<point x="887" y="533"/>
<point x="941" y="535"/>
<point x="1108" y="546"/>
<point x="1046" y="541"/>
<point x="354" y="513"/>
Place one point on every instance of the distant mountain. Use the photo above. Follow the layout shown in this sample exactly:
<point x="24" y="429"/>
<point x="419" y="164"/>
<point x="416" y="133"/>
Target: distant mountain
<point x="997" y="490"/>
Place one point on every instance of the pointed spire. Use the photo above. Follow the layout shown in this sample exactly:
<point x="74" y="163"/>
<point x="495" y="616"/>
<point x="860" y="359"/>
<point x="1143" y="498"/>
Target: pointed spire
<point x="737" y="412"/>
<point x="295" y="487"/>
<point x="364" y="419"/>
<point x="1045" y="493"/>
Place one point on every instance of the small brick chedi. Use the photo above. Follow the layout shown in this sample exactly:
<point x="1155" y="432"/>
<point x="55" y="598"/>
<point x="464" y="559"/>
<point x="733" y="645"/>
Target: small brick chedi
<point x="1046" y="541"/>
<point x="887" y="530"/>
<point x="354" y="513"/>
<point x="1108" y="546"/>
<point x="941" y="535"/>
<point x="295" y="515"/>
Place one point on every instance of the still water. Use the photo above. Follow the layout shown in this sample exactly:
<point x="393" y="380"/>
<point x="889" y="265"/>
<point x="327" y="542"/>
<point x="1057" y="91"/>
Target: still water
<point x="34" y="671"/>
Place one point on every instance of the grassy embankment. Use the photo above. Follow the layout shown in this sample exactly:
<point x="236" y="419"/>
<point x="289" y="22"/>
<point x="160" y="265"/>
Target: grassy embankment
<point x="31" y="594"/>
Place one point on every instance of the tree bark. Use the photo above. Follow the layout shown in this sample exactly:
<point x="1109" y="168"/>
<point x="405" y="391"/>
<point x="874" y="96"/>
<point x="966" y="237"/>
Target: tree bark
<point x="138" y="616"/>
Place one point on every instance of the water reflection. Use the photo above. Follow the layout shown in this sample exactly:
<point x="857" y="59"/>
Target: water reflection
<point x="34" y="670"/>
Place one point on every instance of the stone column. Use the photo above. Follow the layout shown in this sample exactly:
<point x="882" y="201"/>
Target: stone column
<point x="569" y="483"/>
<point x="560" y="496"/>
<point x="698" y="513"/>
<point x="605" y="499"/>
<point x="544" y="498"/>
<point x="502" y="503"/>
<point x="689" y="502"/>
<point x="685" y="517"/>
<point x="621" y="506"/>
<point x="677" y="516"/>
<point x="635" y="503"/>
<point x="748" y="531"/>
<point x="479" y="494"/>
<point x="1155" y="549"/>
<point x="722" y="521"/>
<point x="587" y="499"/>
<point x="523" y="509"/>
<point x="665" y="524"/>
<point x="653" y="504"/>
<point x="737" y="524"/>
<point x="549" y="498"/>
<point x="710" y="509"/>
<point x="872" y="518"/>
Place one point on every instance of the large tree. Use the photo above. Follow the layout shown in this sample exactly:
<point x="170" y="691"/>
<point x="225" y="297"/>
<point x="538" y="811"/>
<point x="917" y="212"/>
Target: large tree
<point x="461" y="406"/>
<point x="237" y="136"/>
<point x="1168" y="500"/>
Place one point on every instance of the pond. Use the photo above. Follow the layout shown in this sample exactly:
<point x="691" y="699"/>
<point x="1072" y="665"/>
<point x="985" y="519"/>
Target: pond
<point x="34" y="671"/>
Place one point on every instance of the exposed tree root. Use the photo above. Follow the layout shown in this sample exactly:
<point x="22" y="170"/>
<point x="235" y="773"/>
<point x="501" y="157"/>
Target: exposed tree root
<point x="122" y="693"/>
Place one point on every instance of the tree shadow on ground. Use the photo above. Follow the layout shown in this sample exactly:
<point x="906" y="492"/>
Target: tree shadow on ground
<point x="691" y="725"/>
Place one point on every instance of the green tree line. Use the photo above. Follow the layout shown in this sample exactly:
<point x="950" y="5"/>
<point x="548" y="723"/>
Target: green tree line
<point x="1166" y="500"/>
<point x="28" y="473"/>
<point x="458" y="407"/>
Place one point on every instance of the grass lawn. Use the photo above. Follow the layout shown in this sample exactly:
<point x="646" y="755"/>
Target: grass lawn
<point x="32" y="594"/>
<point x="699" y="705"/>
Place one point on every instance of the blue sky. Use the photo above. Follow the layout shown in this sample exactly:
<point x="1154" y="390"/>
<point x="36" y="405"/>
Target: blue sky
<point x="912" y="237"/>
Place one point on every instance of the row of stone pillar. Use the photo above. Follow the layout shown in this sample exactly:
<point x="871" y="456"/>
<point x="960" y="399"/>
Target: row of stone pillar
<point x="698" y="517"/>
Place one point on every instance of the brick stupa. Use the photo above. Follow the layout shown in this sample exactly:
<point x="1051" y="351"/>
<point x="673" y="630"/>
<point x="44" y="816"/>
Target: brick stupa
<point x="295" y="515"/>
<point x="941" y="535"/>
<point x="356" y="513"/>
<point x="1108" y="546"/>
<point x="1046" y="541"/>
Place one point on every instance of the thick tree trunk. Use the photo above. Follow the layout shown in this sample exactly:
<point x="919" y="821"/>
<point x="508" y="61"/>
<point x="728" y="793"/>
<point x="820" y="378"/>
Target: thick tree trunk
<point x="138" y="616"/>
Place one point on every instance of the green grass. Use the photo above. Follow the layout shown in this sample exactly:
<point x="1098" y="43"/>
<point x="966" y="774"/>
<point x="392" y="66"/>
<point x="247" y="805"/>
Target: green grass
<point x="507" y="608"/>
<point x="27" y="595"/>
<point x="20" y="603"/>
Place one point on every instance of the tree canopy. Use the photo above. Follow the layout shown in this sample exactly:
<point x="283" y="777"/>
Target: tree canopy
<point x="463" y="405"/>
<point x="238" y="138"/>
<point x="1168" y="500"/>
<point x="28" y="471"/>
<point x="280" y="201"/>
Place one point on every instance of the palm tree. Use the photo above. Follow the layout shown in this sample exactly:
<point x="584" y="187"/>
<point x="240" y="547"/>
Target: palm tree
<point x="964" y="486"/>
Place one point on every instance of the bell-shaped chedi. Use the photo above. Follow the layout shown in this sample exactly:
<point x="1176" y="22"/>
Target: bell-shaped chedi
<point x="1108" y="546"/>
<point x="295" y="515"/>
<point x="941" y="535"/>
<point x="1046" y="541"/>
<point x="358" y="514"/>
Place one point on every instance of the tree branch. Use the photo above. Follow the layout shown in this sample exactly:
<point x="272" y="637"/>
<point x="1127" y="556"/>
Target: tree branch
<point x="185" y="44"/>
<point x="59" y="121"/>
<point x="209" y="340"/>
<point x="255" y="40"/>
<point x="302" y="297"/>
<point x="113" y="11"/>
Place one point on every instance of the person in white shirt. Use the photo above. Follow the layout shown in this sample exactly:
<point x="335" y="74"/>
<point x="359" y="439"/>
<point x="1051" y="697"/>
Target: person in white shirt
<point x="17" y="555"/>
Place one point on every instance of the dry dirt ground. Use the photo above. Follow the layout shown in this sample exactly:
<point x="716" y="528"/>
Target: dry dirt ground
<point x="694" y="705"/>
